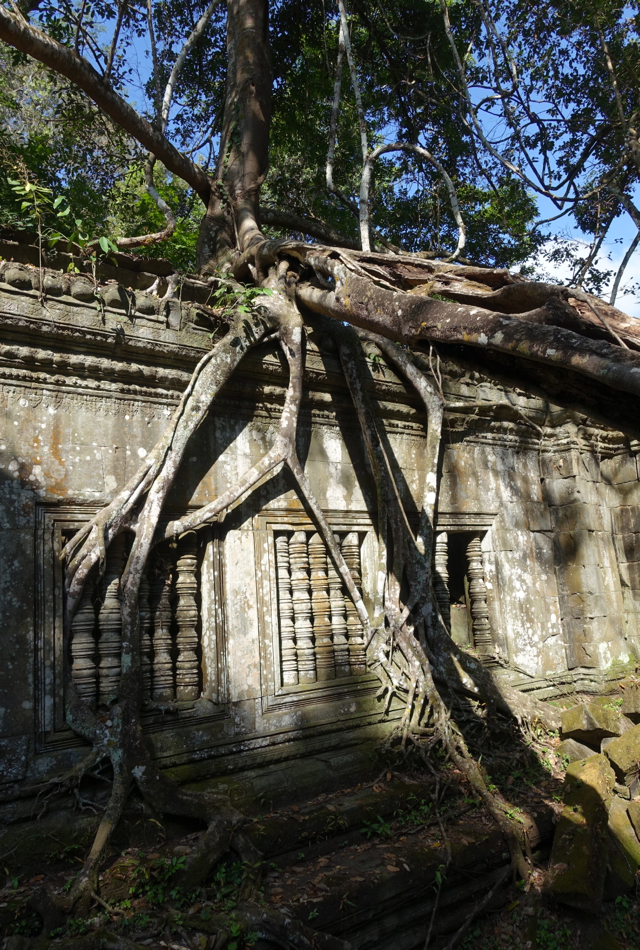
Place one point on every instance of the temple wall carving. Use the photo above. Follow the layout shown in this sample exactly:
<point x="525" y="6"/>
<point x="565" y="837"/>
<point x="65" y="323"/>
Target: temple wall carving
<point x="247" y="633"/>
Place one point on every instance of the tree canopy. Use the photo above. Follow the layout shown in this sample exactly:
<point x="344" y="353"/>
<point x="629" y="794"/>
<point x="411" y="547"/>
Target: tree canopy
<point x="515" y="104"/>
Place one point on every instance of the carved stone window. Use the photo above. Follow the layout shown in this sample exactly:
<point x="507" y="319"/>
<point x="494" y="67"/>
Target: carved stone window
<point x="170" y="627"/>
<point x="321" y="636"/>
<point x="181" y="629"/>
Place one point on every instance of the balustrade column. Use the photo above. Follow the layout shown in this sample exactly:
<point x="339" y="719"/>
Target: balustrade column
<point x="84" y="672"/>
<point x="351" y="554"/>
<point x="110" y="622"/>
<point x="338" y="619"/>
<point x="299" y="561"/>
<point x="187" y="671"/>
<point x="289" y="658"/>
<point x="162" y="670"/>
<point x="482" y="639"/>
<point x="321" y="608"/>
<point x="144" y="613"/>
<point x="441" y="577"/>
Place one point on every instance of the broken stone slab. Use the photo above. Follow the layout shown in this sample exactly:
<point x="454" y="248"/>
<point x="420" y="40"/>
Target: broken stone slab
<point x="624" y="755"/>
<point x="623" y="851"/>
<point x="592" y="723"/>
<point x="578" y="863"/>
<point x="633" y="810"/>
<point x="573" y="750"/>
<point x="523" y="706"/>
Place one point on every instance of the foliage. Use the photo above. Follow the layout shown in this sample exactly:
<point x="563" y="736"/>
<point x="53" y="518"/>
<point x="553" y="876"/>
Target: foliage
<point x="563" y="122"/>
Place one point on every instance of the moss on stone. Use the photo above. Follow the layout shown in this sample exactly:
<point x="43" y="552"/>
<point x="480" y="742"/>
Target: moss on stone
<point x="591" y="723"/>
<point x="578" y="864"/>
<point x="624" y="755"/>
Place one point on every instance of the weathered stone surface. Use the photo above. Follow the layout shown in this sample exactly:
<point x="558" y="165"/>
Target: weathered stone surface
<point x="80" y="407"/>
<point x="631" y="704"/>
<point x="623" y="852"/>
<point x="577" y="866"/>
<point x="523" y="706"/>
<point x="574" y="751"/>
<point x="591" y="723"/>
<point x="118" y="298"/>
<point x="633" y="810"/>
<point x="624" y="755"/>
<point x="18" y="276"/>
<point x="82" y="289"/>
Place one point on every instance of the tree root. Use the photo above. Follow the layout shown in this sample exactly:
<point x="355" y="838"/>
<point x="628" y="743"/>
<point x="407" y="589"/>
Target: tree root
<point x="477" y="909"/>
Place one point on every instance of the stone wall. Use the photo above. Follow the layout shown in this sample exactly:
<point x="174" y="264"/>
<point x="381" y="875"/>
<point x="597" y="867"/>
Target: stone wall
<point x="246" y="626"/>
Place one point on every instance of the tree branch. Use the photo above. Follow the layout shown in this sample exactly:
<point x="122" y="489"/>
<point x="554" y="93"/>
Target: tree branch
<point x="566" y="366"/>
<point x="145" y="240"/>
<point x="26" y="38"/>
<point x="623" y="266"/>
<point x="197" y="32"/>
<point x="314" y="228"/>
<point x="366" y="183"/>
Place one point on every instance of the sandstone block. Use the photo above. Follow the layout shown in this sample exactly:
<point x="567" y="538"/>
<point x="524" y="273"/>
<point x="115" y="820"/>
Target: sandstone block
<point x="624" y="850"/>
<point x="574" y="751"/>
<point x="583" y="605"/>
<point x="633" y="810"/>
<point x="562" y="491"/>
<point x="591" y="723"/>
<point x="146" y="303"/>
<point x="565" y="547"/>
<point x="624" y="755"/>
<point x="631" y="704"/>
<point x="537" y="515"/>
<point x="54" y="285"/>
<point x="542" y="552"/>
<point x="82" y="289"/>
<point x="575" y="516"/>
<point x="620" y="469"/>
<point x="578" y="866"/>
<point x="559" y="465"/>
<point x="18" y="276"/>
<point x="633" y="575"/>
<point x="117" y="298"/>
<point x="630" y="542"/>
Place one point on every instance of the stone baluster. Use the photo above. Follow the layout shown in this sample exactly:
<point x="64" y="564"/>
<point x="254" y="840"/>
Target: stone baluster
<point x="351" y="554"/>
<point x="321" y="608"/>
<point x="110" y="621"/>
<point x="289" y="657"/>
<point x="482" y="639"/>
<point x="187" y="667"/>
<point x="299" y="561"/>
<point x="338" y="619"/>
<point x="144" y="613"/>
<point x="84" y="672"/>
<point x="162" y="669"/>
<point x="441" y="577"/>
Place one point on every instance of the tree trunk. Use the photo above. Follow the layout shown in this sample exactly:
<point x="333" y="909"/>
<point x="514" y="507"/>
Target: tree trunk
<point x="232" y="218"/>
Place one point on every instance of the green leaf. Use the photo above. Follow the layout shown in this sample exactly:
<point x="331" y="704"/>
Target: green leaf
<point x="104" y="244"/>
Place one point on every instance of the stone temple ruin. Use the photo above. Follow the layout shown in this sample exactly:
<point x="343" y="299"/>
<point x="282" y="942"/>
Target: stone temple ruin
<point x="246" y="625"/>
